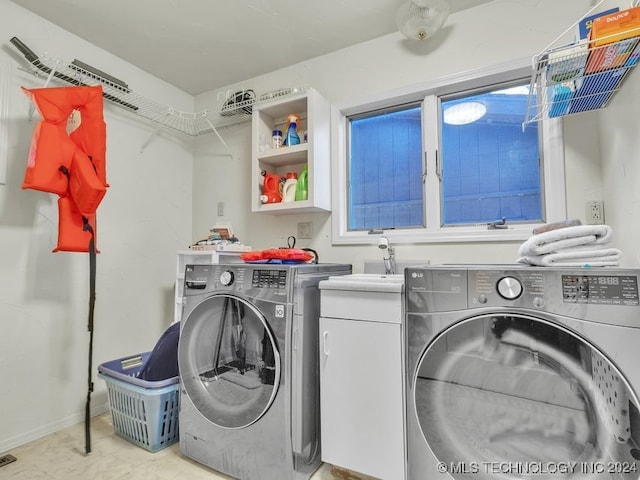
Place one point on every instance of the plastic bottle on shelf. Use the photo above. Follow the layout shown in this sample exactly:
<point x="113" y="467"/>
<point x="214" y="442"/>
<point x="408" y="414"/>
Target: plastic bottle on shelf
<point x="270" y="188"/>
<point x="302" y="192"/>
<point x="276" y="139"/>
<point x="292" y="137"/>
<point x="290" y="187"/>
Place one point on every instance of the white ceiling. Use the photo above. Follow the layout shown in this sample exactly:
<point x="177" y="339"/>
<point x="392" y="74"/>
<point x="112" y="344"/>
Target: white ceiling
<point x="199" y="45"/>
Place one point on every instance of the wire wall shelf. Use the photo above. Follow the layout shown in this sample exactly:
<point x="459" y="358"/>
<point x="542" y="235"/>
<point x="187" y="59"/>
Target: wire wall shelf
<point x="236" y="107"/>
<point x="581" y="76"/>
<point x="570" y="80"/>
<point x="184" y="122"/>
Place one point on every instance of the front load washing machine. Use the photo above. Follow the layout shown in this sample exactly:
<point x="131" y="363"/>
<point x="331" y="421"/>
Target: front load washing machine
<point x="248" y="360"/>
<point x="518" y="372"/>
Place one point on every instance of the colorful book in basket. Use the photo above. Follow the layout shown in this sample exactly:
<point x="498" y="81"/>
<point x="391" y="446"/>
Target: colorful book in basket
<point x="584" y="26"/>
<point x="634" y="57"/>
<point x="567" y="62"/>
<point x="609" y="56"/>
<point x="559" y="98"/>
<point x="612" y="39"/>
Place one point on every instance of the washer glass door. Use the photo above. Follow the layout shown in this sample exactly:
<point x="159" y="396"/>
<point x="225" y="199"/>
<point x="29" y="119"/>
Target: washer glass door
<point x="229" y="361"/>
<point x="518" y="397"/>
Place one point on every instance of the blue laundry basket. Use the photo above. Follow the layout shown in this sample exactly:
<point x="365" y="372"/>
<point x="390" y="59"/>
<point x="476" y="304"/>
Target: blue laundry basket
<point x="143" y="412"/>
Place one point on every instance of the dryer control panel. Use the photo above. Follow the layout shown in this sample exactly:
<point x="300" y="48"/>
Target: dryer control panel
<point x="608" y="295"/>
<point x="600" y="289"/>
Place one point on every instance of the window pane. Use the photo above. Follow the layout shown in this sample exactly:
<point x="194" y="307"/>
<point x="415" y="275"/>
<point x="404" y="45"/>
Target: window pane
<point x="491" y="167"/>
<point x="385" y="170"/>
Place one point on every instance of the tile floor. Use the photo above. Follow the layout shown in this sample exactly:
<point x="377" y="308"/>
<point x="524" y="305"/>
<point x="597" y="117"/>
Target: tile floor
<point x="61" y="456"/>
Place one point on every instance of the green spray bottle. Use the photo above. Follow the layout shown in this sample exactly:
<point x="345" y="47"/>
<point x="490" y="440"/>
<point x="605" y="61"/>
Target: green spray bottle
<point x="302" y="192"/>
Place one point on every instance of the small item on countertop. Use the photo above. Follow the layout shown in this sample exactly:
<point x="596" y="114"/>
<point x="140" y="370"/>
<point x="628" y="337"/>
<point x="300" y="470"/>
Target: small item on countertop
<point x="556" y="225"/>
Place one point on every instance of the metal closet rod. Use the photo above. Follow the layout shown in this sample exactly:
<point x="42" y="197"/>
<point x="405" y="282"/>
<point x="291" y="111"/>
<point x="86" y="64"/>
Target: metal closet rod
<point x="102" y="77"/>
<point x="118" y="92"/>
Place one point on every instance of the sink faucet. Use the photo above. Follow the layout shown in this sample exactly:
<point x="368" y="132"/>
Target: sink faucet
<point x="389" y="259"/>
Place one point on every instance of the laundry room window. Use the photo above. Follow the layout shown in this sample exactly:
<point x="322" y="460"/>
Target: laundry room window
<point x="385" y="170"/>
<point x="490" y="165"/>
<point x="447" y="161"/>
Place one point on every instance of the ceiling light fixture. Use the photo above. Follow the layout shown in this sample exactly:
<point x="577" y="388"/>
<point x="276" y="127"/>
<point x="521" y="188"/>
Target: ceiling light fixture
<point x="419" y="19"/>
<point x="464" y="113"/>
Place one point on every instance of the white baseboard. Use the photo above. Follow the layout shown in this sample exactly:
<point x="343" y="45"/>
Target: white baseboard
<point x="43" y="431"/>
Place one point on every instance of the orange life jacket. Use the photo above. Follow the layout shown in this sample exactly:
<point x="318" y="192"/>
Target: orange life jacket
<point x="71" y="166"/>
<point x="50" y="158"/>
<point x="46" y="158"/>
<point x="91" y="135"/>
<point x="85" y="187"/>
<point x="73" y="232"/>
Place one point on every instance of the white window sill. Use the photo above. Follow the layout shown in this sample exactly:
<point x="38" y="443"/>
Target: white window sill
<point x="476" y="234"/>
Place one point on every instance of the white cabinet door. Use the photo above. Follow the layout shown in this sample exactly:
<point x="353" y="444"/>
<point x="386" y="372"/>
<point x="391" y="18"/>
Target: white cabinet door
<point x="361" y="397"/>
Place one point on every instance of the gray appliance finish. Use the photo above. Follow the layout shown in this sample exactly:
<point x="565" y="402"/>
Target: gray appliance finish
<point x="248" y="359"/>
<point x="517" y="372"/>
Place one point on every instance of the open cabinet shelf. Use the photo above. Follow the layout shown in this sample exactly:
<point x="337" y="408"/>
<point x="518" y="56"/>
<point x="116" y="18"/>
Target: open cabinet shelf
<point x="285" y="155"/>
<point x="313" y="154"/>
<point x="581" y="76"/>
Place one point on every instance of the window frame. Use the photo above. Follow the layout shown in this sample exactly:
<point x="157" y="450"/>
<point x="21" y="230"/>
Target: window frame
<point x="552" y="154"/>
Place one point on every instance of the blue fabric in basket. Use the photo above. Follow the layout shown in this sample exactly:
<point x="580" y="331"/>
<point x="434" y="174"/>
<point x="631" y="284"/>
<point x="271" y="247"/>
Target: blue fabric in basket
<point x="162" y="362"/>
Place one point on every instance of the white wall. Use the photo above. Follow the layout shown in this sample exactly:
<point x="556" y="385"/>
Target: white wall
<point x="144" y="218"/>
<point x="499" y="32"/>
<point x="619" y="131"/>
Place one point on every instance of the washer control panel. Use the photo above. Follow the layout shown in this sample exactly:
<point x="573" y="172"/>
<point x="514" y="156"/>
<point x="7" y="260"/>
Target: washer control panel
<point x="269" y="278"/>
<point x="509" y="288"/>
<point x="196" y="277"/>
<point x="495" y="287"/>
<point x="226" y="278"/>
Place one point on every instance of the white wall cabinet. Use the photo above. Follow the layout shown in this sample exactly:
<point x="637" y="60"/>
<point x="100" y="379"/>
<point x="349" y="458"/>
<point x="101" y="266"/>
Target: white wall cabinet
<point x="314" y="113"/>
<point x="361" y="379"/>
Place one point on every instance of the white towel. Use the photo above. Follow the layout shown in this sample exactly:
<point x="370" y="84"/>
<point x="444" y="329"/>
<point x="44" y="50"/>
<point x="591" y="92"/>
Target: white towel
<point x="562" y="238"/>
<point x="575" y="257"/>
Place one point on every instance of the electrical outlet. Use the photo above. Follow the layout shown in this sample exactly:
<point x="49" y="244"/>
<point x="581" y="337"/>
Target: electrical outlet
<point x="305" y="230"/>
<point x="595" y="212"/>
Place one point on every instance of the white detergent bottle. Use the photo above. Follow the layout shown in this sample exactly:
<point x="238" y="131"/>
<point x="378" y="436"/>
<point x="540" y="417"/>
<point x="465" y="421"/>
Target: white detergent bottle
<point x="289" y="190"/>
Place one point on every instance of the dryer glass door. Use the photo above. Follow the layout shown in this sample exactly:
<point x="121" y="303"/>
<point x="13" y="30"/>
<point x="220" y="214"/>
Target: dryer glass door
<point x="229" y="361"/>
<point x="518" y="397"/>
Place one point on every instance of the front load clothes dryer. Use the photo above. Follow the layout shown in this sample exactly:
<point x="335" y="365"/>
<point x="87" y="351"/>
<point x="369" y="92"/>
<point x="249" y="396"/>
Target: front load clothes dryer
<point x="248" y="360"/>
<point x="518" y="372"/>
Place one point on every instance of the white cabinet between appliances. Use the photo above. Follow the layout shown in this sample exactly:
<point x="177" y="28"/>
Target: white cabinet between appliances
<point x="315" y="115"/>
<point x="362" y="374"/>
<point x="197" y="257"/>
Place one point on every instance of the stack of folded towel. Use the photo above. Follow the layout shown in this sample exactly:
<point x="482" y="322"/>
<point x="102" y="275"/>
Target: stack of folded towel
<point x="570" y="245"/>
